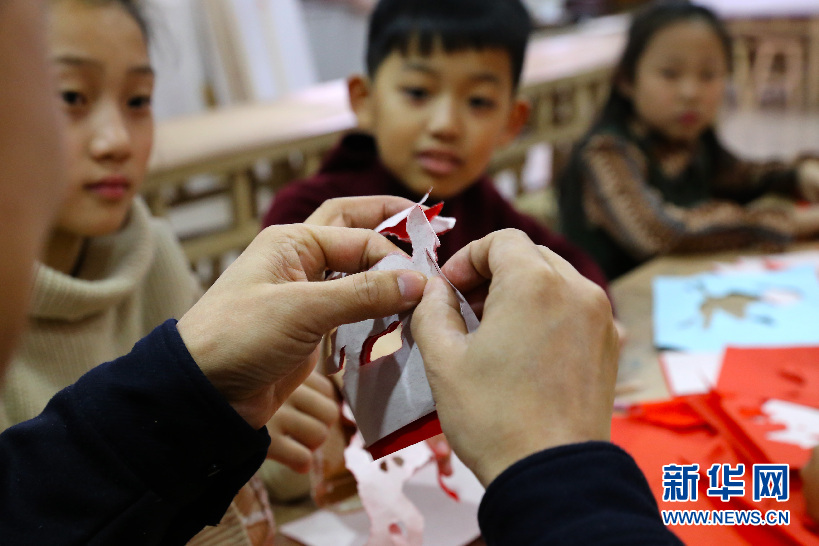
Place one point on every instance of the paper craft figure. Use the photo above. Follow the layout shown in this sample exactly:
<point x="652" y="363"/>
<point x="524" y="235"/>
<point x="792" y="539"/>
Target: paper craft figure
<point x="394" y="519"/>
<point x="390" y="397"/>
<point x="446" y="522"/>
<point x="774" y="308"/>
<point x="801" y="423"/>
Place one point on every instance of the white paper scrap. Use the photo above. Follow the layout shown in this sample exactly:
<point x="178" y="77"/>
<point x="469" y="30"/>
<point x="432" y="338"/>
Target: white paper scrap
<point x="691" y="373"/>
<point x="446" y="522"/>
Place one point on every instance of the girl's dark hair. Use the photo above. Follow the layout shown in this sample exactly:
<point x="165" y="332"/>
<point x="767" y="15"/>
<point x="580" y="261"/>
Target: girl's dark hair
<point x="646" y="23"/>
<point x="455" y="24"/>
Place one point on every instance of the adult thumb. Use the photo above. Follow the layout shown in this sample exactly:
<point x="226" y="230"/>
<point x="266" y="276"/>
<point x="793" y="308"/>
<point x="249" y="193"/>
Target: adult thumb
<point x="367" y="295"/>
<point x="437" y="325"/>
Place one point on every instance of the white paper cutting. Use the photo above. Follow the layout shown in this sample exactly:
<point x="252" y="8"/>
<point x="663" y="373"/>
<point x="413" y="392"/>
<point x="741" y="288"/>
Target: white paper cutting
<point x="391" y="392"/>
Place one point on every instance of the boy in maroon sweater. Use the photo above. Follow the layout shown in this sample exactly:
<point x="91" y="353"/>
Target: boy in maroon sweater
<point x="440" y="97"/>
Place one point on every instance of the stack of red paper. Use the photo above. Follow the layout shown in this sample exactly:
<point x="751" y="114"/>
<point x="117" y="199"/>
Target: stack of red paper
<point x="728" y="426"/>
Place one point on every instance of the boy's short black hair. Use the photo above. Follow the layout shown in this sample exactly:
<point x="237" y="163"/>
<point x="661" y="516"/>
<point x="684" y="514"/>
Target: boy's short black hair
<point x="458" y="24"/>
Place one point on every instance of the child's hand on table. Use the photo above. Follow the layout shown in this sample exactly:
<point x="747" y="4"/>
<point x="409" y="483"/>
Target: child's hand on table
<point x="808" y="179"/>
<point x="806" y="219"/>
<point x="303" y="423"/>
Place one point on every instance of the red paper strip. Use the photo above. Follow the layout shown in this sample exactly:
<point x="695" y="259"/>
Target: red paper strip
<point x="419" y="430"/>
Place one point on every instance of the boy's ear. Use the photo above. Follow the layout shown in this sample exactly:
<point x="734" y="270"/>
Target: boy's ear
<point x="358" y="87"/>
<point x="518" y="116"/>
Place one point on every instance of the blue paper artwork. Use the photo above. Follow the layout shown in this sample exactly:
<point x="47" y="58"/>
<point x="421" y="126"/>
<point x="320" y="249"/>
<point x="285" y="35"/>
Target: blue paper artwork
<point x="770" y="309"/>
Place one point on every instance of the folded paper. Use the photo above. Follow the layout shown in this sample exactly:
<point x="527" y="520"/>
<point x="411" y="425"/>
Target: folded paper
<point x="390" y="396"/>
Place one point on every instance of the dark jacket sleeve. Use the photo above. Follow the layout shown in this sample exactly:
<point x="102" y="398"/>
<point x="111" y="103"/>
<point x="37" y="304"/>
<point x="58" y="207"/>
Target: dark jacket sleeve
<point x="141" y="450"/>
<point x="591" y="493"/>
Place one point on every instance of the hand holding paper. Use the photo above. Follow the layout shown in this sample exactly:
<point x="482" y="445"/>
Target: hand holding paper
<point x="540" y="369"/>
<point x="268" y="311"/>
<point x="808" y="179"/>
<point x="303" y="422"/>
<point x="358" y="212"/>
<point x="389" y="396"/>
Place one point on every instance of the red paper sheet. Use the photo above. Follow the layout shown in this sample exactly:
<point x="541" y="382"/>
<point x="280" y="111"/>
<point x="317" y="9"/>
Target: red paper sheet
<point x="787" y="373"/>
<point x="699" y="429"/>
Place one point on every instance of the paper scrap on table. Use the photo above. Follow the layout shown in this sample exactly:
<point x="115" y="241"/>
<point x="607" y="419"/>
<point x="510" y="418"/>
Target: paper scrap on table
<point x="390" y="394"/>
<point x="394" y="519"/>
<point x="779" y="308"/>
<point x="801" y="423"/>
<point x="447" y="522"/>
<point x="690" y="373"/>
<point x="772" y="431"/>
<point x="771" y="262"/>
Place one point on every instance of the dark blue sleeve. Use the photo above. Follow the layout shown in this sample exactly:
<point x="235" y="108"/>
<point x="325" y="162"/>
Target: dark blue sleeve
<point x="591" y="493"/>
<point x="141" y="450"/>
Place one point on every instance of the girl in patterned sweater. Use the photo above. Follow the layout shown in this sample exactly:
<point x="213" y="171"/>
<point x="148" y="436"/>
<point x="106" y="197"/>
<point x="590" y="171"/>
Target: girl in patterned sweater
<point x="651" y="176"/>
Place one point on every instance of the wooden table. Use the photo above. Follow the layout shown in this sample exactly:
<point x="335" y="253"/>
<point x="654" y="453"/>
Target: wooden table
<point x="640" y="377"/>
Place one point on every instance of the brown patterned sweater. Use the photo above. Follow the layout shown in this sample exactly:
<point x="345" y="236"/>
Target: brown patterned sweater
<point x="628" y="195"/>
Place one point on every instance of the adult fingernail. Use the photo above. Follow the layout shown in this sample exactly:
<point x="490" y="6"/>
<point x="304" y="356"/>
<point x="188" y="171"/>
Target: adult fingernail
<point x="436" y="286"/>
<point x="411" y="285"/>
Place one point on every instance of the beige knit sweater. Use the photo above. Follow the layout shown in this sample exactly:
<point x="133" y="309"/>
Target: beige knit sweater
<point x="130" y="282"/>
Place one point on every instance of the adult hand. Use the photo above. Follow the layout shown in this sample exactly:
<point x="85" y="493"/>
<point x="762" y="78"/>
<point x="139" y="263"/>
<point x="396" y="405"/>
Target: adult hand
<point x="254" y="333"/>
<point x="358" y="212"/>
<point x="538" y="372"/>
<point x="303" y="423"/>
